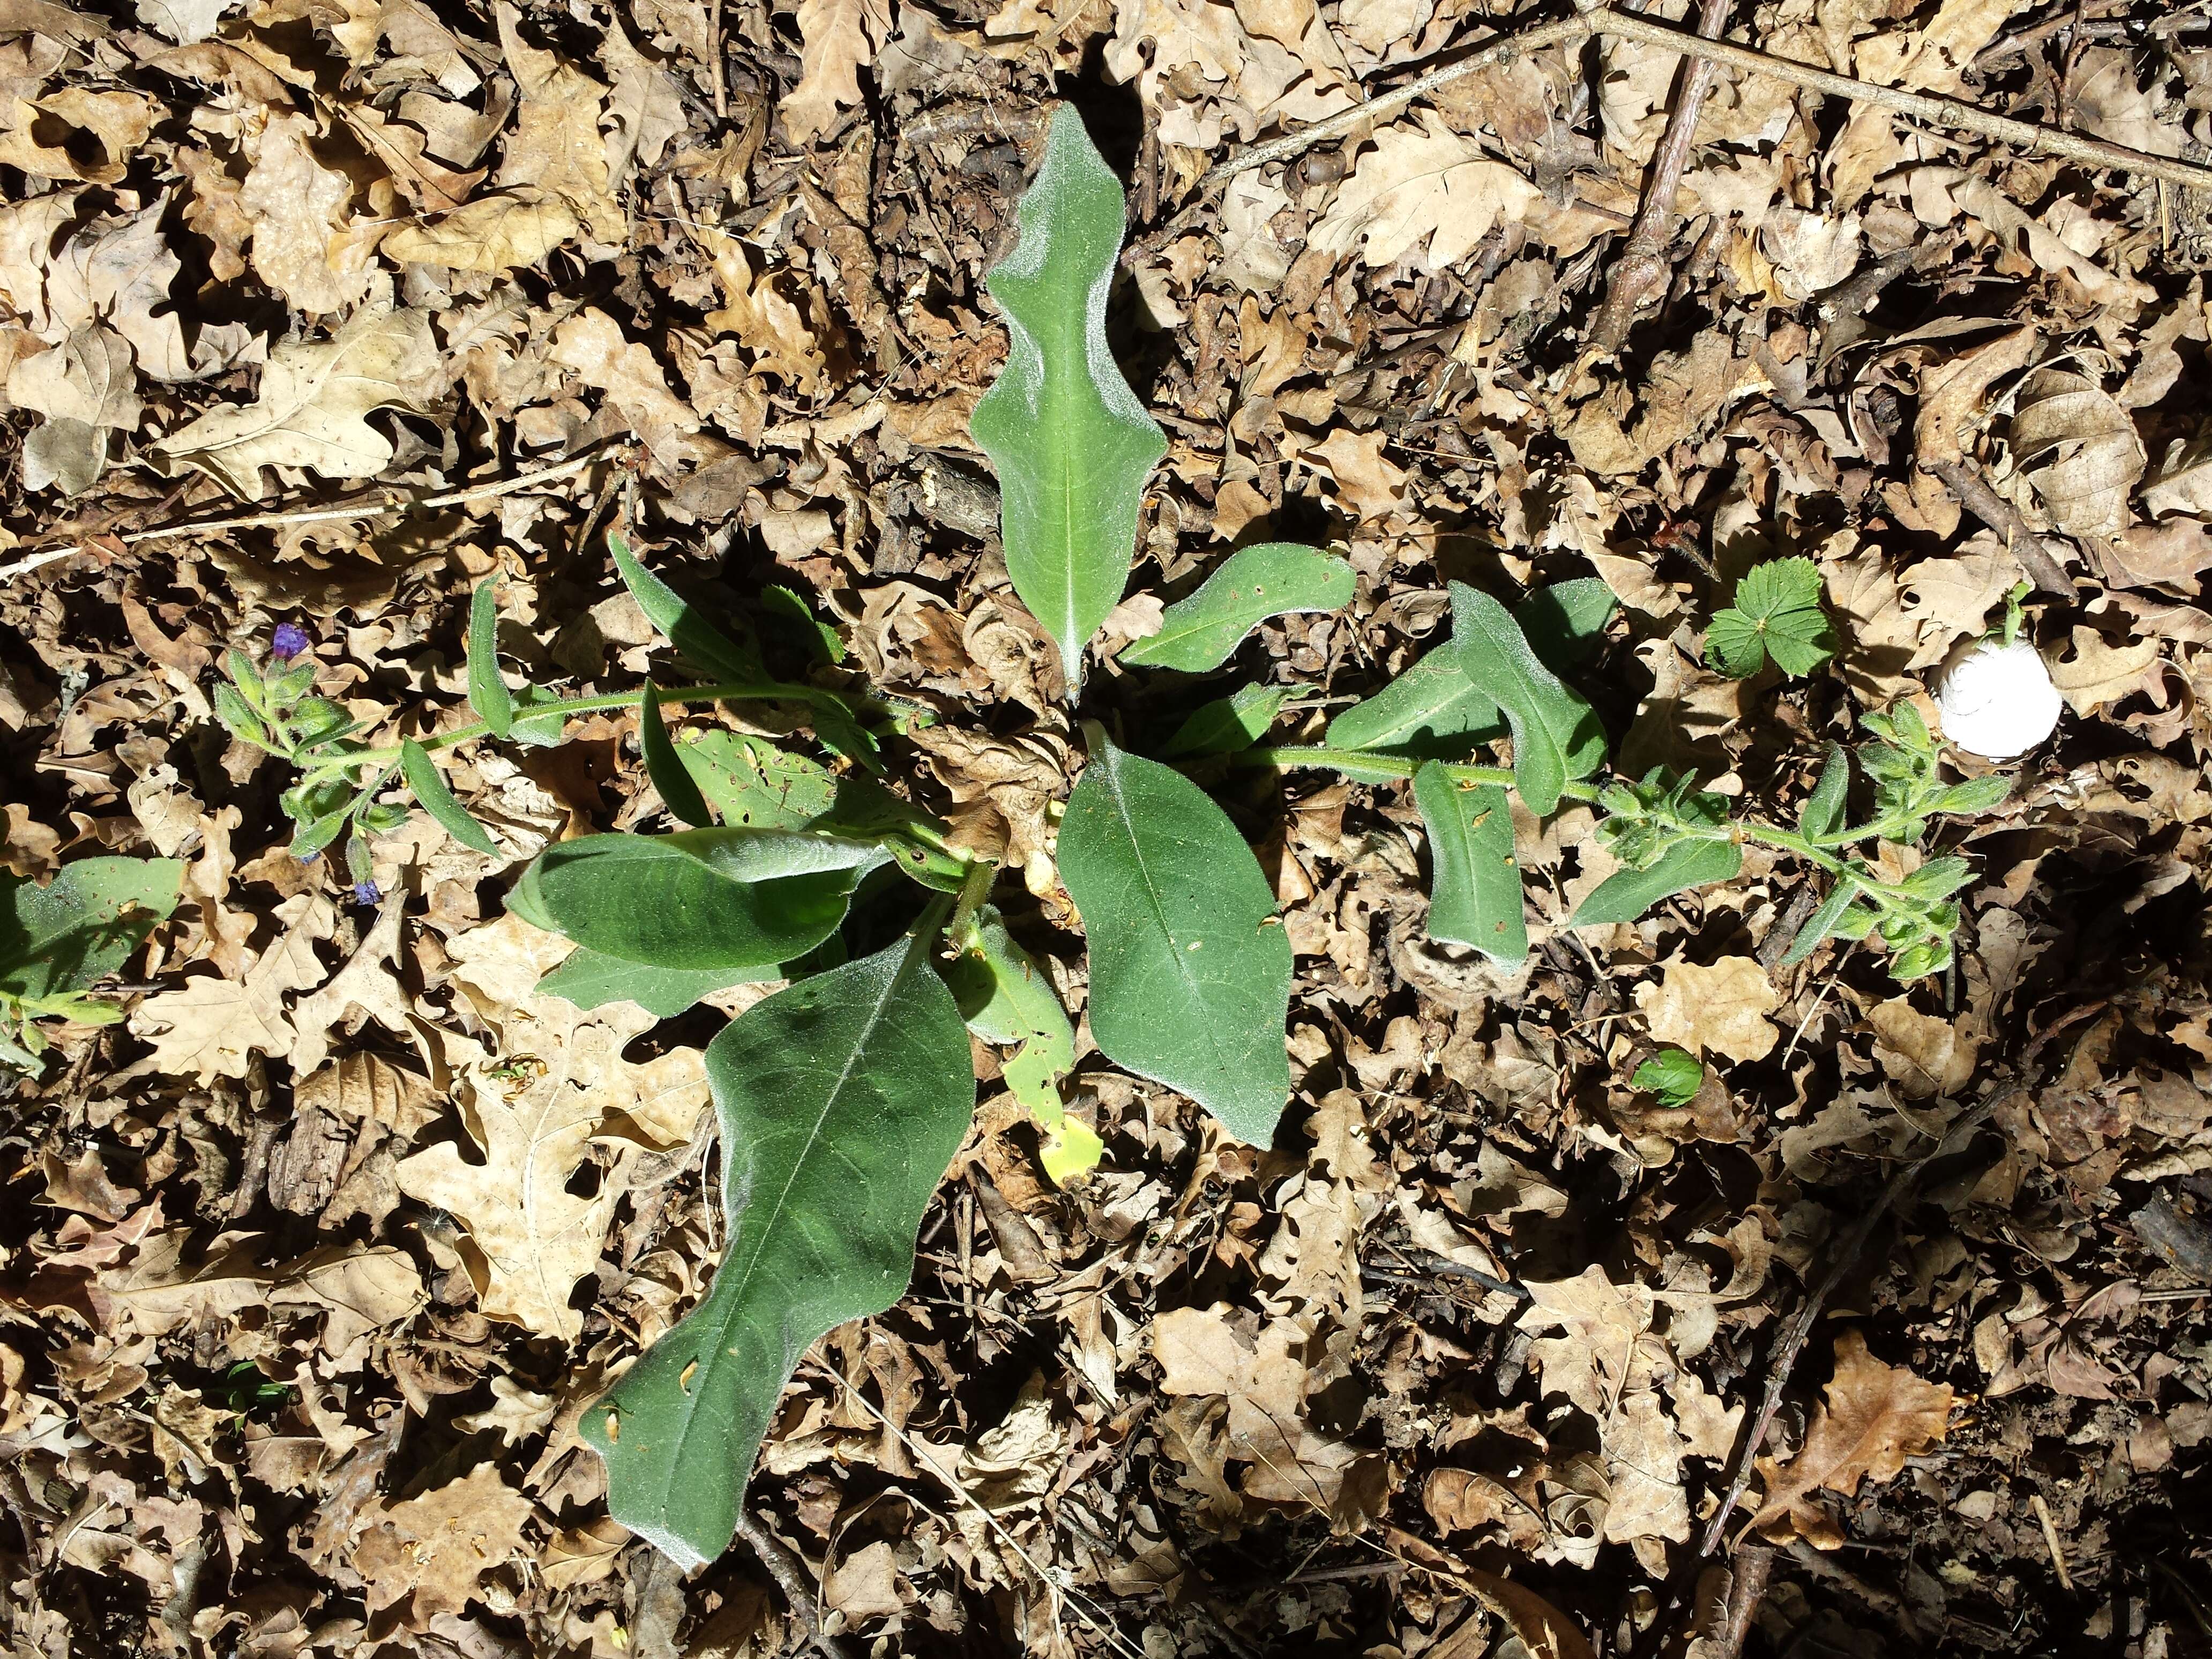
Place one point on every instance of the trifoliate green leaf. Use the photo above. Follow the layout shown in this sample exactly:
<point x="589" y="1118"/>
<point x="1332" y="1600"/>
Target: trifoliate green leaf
<point x="1777" y="614"/>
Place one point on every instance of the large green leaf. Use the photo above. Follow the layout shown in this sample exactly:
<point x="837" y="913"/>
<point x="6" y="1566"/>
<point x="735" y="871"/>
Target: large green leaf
<point x="1252" y="584"/>
<point x="1072" y="444"/>
<point x="1190" y="969"/>
<point x="1431" y="708"/>
<point x="591" y="979"/>
<point x="705" y="899"/>
<point x="1477" y="892"/>
<point x="1556" y="738"/>
<point x="81" y="926"/>
<point x="841" y="1100"/>
<point x="1627" y="894"/>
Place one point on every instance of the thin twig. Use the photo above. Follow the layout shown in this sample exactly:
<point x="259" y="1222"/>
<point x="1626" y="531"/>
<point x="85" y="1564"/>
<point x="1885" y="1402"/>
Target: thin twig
<point x="1951" y="113"/>
<point x="1500" y="50"/>
<point x="378" y="509"/>
<point x="1746" y="1589"/>
<point x="2037" y="556"/>
<point x="785" y="1568"/>
<point x="2051" y="1540"/>
<point x="1640" y="275"/>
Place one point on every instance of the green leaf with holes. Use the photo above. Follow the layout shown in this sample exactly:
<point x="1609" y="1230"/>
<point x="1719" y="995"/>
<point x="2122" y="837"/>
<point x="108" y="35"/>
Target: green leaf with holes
<point x="1252" y="584"/>
<point x="841" y="1100"/>
<point x="83" y="925"/>
<point x="1190" y="969"/>
<point x="1475" y="898"/>
<point x="1072" y="444"/>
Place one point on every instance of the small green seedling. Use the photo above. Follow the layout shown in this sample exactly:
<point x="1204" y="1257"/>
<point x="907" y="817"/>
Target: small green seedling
<point x="1777" y="615"/>
<point x="1672" y="1077"/>
<point x="842" y="1097"/>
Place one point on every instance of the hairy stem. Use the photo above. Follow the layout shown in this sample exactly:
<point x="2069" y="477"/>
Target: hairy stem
<point x="769" y="691"/>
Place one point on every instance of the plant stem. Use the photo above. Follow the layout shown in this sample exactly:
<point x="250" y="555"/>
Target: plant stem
<point x="730" y="691"/>
<point x="1362" y="766"/>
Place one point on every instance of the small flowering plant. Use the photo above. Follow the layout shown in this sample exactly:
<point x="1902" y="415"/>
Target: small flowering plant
<point x="844" y="1094"/>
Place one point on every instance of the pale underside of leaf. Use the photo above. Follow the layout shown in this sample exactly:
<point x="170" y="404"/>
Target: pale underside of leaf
<point x="1072" y="444"/>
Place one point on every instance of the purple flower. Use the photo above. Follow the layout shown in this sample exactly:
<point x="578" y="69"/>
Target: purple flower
<point x="367" y="894"/>
<point x="288" y="642"/>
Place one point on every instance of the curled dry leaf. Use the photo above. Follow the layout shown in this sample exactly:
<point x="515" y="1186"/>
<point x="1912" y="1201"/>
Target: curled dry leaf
<point x="314" y="398"/>
<point x="1875" y="1416"/>
<point x="2079" y="448"/>
<point x="1423" y="187"/>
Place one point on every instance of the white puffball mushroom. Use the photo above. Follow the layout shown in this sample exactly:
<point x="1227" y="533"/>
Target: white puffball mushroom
<point x="1997" y="700"/>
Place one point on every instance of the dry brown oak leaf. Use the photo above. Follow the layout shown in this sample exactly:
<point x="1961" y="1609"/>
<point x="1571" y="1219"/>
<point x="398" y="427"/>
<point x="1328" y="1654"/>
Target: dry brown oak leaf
<point x="315" y="395"/>
<point x="1875" y="1416"/>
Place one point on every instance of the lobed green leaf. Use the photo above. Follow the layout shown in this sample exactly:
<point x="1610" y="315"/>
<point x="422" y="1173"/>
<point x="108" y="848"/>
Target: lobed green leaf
<point x="841" y="1100"/>
<point x="1252" y="584"/>
<point x="1190" y="968"/>
<point x="1072" y="444"/>
<point x="1556" y="737"/>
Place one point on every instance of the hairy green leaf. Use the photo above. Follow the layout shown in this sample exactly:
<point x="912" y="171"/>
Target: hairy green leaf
<point x="487" y="693"/>
<point x="1252" y="584"/>
<point x="1234" y="722"/>
<point x="1072" y="444"/>
<point x="1556" y="737"/>
<point x="81" y="926"/>
<point x="1476" y="895"/>
<point x="1007" y="998"/>
<point x="698" y="641"/>
<point x="1822" y="814"/>
<point x="679" y="790"/>
<point x="820" y="638"/>
<point x="1823" y="924"/>
<point x="1674" y="1075"/>
<point x="841" y="1100"/>
<point x="700" y="900"/>
<point x="1190" y="969"/>
<point x="1777" y="614"/>
<point x="1432" y="709"/>
<point x="1627" y="894"/>
<point x="591" y="979"/>
<point x="430" y="788"/>
<point x="1565" y="622"/>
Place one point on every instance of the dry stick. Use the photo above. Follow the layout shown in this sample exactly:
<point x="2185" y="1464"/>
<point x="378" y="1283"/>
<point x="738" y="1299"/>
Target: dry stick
<point x="1378" y="109"/>
<point x="1746" y="1589"/>
<point x="2035" y="553"/>
<point x="378" y="509"/>
<point x="1644" y="269"/>
<point x="784" y="1567"/>
<point x="1930" y="107"/>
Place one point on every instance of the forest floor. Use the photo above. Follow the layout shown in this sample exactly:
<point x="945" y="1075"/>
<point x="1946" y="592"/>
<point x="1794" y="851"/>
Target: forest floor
<point x="1467" y="1362"/>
